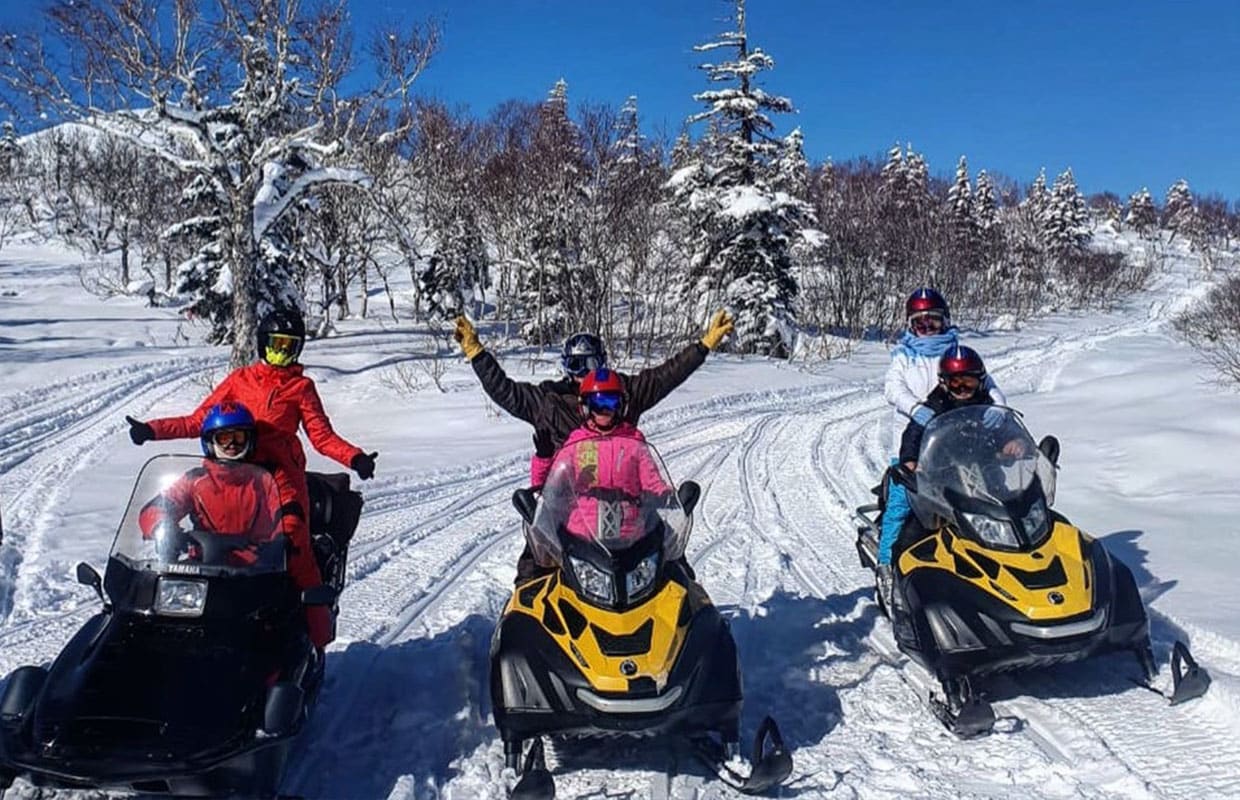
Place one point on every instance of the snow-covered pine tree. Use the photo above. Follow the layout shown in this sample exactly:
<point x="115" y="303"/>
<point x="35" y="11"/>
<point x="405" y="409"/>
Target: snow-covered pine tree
<point x="962" y="215"/>
<point x="1142" y="215"/>
<point x="986" y="217"/>
<point x="743" y="228"/>
<point x="1179" y="211"/>
<point x="557" y="293"/>
<point x="1065" y="219"/>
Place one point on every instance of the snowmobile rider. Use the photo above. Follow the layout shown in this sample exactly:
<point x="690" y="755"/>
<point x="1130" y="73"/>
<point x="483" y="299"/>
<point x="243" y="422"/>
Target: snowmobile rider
<point x="962" y="382"/>
<point x="217" y="497"/>
<point x="912" y="376"/>
<point x="602" y="398"/>
<point x="282" y="398"/>
<point x="552" y="406"/>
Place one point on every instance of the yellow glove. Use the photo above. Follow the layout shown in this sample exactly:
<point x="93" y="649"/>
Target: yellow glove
<point x="720" y="326"/>
<point x="467" y="338"/>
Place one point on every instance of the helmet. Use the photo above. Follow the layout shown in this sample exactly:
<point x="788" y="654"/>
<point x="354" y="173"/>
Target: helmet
<point x="602" y="390"/>
<point x="582" y="352"/>
<point x="961" y="360"/>
<point x="228" y="417"/>
<point x="961" y="372"/>
<point x="926" y="302"/>
<point x="280" y="336"/>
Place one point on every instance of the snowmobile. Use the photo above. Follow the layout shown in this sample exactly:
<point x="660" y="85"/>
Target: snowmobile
<point x="616" y="637"/>
<point x="198" y="674"/>
<point x="987" y="578"/>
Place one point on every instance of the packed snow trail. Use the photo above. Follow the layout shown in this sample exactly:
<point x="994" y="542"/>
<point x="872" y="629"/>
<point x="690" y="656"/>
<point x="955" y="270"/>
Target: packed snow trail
<point x="406" y="709"/>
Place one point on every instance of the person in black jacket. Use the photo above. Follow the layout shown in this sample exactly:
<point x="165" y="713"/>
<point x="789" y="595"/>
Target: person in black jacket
<point x="552" y="407"/>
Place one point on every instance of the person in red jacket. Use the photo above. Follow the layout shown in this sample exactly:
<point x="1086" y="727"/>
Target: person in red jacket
<point x="225" y="496"/>
<point x="282" y="399"/>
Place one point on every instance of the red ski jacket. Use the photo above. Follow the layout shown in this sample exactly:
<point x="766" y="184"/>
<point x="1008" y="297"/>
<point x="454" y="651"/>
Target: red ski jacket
<point x="219" y="499"/>
<point x="281" y="399"/>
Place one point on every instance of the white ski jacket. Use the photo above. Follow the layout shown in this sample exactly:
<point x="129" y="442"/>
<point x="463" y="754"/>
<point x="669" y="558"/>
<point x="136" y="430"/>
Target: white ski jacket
<point x="910" y="379"/>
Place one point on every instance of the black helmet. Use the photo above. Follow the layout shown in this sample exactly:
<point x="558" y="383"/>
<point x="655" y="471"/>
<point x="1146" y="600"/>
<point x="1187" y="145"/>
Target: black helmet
<point x="582" y="353"/>
<point x="281" y="334"/>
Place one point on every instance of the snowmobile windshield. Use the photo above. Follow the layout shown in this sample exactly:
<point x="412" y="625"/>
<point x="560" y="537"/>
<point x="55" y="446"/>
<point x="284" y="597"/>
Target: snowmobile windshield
<point x="982" y="453"/>
<point x="610" y="490"/>
<point x="189" y="514"/>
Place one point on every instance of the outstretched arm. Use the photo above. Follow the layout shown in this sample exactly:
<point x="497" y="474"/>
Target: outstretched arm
<point x="319" y="428"/>
<point x="650" y="386"/>
<point x="517" y="398"/>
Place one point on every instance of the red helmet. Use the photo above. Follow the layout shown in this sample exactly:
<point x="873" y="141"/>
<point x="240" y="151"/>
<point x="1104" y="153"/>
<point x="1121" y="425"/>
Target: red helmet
<point x="926" y="300"/>
<point x="961" y="360"/>
<point x="602" y="391"/>
<point x="601" y="380"/>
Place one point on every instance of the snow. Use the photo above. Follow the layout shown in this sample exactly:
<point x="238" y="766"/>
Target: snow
<point x="784" y="452"/>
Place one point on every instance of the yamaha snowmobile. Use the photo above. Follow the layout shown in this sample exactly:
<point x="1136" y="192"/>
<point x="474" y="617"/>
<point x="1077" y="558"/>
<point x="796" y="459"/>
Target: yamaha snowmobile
<point x="987" y="578"/>
<point x="616" y="637"/>
<point x="198" y="674"/>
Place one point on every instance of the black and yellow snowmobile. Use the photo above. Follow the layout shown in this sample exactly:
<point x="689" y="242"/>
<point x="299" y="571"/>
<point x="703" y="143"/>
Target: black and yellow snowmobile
<point x="617" y="638"/>
<point x="987" y="578"/>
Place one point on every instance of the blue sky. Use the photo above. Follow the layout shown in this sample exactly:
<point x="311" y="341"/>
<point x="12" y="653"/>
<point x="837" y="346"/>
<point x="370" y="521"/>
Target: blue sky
<point x="1128" y="94"/>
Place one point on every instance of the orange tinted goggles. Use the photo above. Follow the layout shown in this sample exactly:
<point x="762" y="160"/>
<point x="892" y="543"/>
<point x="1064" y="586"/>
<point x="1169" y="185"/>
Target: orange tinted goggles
<point x="283" y="343"/>
<point x="236" y="436"/>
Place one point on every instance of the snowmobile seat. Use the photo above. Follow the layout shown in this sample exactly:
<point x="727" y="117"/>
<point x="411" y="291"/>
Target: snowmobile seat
<point x="335" y="510"/>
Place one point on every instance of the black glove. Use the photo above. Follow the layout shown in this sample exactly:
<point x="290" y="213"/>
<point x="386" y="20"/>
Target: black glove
<point x="364" y="465"/>
<point x="543" y="446"/>
<point x="139" y="431"/>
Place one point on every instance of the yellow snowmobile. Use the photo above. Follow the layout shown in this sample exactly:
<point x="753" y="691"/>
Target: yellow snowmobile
<point x="987" y="578"/>
<point x="617" y="638"/>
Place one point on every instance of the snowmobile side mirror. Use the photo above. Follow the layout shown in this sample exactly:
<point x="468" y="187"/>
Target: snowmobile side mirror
<point x="1050" y="448"/>
<point x="688" y="495"/>
<point x="321" y="595"/>
<point x="526" y="504"/>
<point x="89" y="576"/>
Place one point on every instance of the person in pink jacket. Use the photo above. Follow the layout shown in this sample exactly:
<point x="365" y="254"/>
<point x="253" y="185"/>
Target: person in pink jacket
<point x="611" y="470"/>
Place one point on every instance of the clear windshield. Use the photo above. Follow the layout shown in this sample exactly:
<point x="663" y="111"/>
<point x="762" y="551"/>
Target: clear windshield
<point x="612" y="491"/>
<point x="195" y="514"/>
<point x="964" y="456"/>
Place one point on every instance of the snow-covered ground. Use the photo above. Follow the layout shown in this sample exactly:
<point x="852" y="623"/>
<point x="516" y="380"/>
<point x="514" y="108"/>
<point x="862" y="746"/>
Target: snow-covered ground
<point x="784" y="453"/>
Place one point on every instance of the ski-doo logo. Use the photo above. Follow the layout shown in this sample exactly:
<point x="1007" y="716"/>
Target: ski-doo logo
<point x="1056" y="598"/>
<point x="628" y="667"/>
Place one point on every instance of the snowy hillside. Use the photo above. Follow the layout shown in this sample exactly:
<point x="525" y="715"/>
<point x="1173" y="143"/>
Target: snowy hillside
<point x="783" y="452"/>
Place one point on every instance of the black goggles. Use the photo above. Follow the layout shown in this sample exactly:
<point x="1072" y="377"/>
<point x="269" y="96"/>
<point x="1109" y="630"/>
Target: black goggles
<point x="579" y="366"/>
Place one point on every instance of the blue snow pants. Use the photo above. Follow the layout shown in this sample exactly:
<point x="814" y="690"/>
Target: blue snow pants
<point x="894" y="514"/>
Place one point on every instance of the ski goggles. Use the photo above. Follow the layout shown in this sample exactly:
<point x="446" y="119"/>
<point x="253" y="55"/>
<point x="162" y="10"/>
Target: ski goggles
<point x="604" y="402"/>
<point x="232" y="437"/>
<point x="283" y="343"/>
<point x="962" y="384"/>
<point x="926" y="322"/>
<point x="579" y="366"/>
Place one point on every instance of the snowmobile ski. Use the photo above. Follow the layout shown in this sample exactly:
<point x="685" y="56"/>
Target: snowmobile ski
<point x="536" y="782"/>
<point x="769" y="766"/>
<point x="962" y="711"/>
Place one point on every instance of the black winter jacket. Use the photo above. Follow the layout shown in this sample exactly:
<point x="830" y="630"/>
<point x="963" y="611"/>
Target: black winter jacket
<point x="938" y="401"/>
<point x="552" y="406"/>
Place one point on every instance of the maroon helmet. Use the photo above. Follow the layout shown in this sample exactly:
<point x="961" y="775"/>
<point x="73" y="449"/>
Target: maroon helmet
<point x="926" y="301"/>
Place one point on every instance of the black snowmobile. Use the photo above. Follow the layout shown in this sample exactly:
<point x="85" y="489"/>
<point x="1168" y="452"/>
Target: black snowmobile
<point x="617" y="638"/>
<point x="987" y="578"/>
<point x="198" y="674"/>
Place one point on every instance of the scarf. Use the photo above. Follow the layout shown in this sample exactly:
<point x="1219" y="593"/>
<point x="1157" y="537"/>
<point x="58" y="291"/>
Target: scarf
<point x="926" y="346"/>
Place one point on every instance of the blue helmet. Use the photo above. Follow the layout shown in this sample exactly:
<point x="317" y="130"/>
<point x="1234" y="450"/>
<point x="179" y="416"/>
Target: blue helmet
<point x="222" y="420"/>
<point x="583" y="353"/>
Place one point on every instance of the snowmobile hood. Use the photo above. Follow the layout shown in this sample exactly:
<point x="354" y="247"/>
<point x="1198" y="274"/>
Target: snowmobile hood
<point x="615" y="650"/>
<point x="1050" y="582"/>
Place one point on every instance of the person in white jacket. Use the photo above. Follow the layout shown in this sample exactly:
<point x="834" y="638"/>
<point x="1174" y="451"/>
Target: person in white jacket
<point x="913" y="374"/>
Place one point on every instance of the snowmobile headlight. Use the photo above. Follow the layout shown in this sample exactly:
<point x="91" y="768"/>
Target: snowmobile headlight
<point x="992" y="531"/>
<point x="177" y="597"/>
<point x="641" y="578"/>
<point x="1034" y="522"/>
<point x="592" y="580"/>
